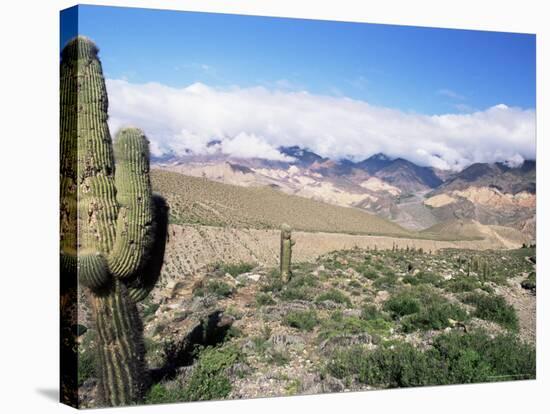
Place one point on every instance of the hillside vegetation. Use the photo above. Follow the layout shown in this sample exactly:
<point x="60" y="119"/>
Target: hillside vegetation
<point x="195" y="200"/>
<point x="352" y="319"/>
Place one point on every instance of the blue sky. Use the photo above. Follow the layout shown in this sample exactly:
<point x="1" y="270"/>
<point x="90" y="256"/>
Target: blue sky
<point x="424" y="70"/>
<point x="438" y="97"/>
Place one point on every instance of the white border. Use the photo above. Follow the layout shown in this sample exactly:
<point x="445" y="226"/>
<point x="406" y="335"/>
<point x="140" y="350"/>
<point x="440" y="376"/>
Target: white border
<point x="29" y="162"/>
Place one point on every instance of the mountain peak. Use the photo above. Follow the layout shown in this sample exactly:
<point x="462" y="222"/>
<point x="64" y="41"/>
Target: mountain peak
<point x="379" y="157"/>
<point x="304" y="157"/>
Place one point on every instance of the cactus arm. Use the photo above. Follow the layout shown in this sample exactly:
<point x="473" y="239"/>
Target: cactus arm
<point x="92" y="271"/>
<point x="134" y="230"/>
<point x="145" y="281"/>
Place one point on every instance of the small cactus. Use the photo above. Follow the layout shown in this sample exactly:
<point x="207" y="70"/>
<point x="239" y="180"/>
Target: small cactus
<point x="113" y="229"/>
<point x="286" y="252"/>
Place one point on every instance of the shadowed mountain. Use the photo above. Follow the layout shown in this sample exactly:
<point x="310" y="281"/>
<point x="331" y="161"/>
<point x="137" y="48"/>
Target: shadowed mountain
<point x="408" y="176"/>
<point x="374" y="163"/>
<point x="498" y="175"/>
<point x="303" y="157"/>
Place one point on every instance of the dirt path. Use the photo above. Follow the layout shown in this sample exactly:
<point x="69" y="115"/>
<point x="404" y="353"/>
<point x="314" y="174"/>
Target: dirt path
<point x="525" y="304"/>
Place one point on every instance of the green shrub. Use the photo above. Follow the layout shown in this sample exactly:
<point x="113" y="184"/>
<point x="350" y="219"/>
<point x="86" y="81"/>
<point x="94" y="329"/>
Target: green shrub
<point x="493" y="308"/>
<point x="338" y="324"/>
<point x="369" y="311"/>
<point x="398" y="366"/>
<point x="277" y="358"/>
<point x="386" y="282"/>
<point x="421" y="308"/>
<point x="477" y="357"/>
<point x="273" y="282"/>
<point x="163" y="394"/>
<point x="455" y="358"/>
<point x="462" y="284"/>
<point x="86" y="366"/>
<point x="302" y="320"/>
<point x="370" y="274"/>
<point x="296" y="293"/>
<point x="263" y="299"/>
<point x="215" y="287"/>
<point x="379" y="326"/>
<point x="423" y="278"/>
<point x="209" y="380"/>
<point x="236" y="269"/>
<point x="435" y="316"/>
<point x="402" y="304"/>
<point x="334" y="295"/>
<point x="299" y="288"/>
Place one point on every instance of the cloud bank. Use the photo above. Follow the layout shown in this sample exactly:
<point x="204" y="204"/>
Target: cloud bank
<point x="248" y="122"/>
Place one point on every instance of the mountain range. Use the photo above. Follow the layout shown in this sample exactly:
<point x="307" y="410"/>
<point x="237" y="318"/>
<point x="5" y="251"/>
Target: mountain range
<point x="411" y="195"/>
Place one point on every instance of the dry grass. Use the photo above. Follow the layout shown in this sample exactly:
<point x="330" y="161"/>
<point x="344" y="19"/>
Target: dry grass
<point x="195" y="200"/>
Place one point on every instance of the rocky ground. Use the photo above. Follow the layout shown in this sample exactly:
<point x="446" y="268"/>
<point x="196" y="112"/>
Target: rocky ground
<point x="235" y="331"/>
<point x="192" y="247"/>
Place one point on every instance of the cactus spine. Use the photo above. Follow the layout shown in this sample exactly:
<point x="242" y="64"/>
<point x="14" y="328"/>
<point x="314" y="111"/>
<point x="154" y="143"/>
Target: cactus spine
<point x="286" y="252"/>
<point x="113" y="229"/>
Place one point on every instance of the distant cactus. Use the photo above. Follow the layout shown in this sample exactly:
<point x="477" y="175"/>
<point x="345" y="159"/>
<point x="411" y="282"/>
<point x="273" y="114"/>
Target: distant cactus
<point x="286" y="252"/>
<point x="113" y="229"/>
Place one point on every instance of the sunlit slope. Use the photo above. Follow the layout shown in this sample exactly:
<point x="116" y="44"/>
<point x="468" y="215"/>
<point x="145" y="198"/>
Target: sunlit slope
<point x="201" y="201"/>
<point x="467" y="229"/>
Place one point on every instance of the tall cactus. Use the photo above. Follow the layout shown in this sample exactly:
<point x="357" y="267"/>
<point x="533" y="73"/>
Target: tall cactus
<point x="286" y="252"/>
<point x="113" y="229"/>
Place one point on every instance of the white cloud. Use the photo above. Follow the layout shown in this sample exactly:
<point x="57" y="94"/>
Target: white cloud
<point x="249" y="146"/>
<point x="257" y="120"/>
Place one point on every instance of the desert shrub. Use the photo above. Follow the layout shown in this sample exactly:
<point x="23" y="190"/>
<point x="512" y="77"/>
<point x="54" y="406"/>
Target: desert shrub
<point x="334" y="295"/>
<point x="263" y="299"/>
<point x="299" y="288"/>
<point x="420" y="308"/>
<point x="386" y="282"/>
<point x="462" y="284"/>
<point x="86" y="366"/>
<point x="371" y="312"/>
<point x="477" y="357"/>
<point x="379" y="326"/>
<point x="455" y="358"/>
<point x="162" y="393"/>
<point x="402" y="304"/>
<point x="370" y="274"/>
<point x="423" y="278"/>
<point x="399" y="366"/>
<point x="354" y="284"/>
<point x="236" y="269"/>
<point x="302" y="320"/>
<point x="215" y="287"/>
<point x="209" y="380"/>
<point x="493" y="308"/>
<point x="296" y="293"/>
<point x="437" y="315"/>
<point x="277" y="358"/>
<point x="273" y="282"/>
<point x="339" y="324"/>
